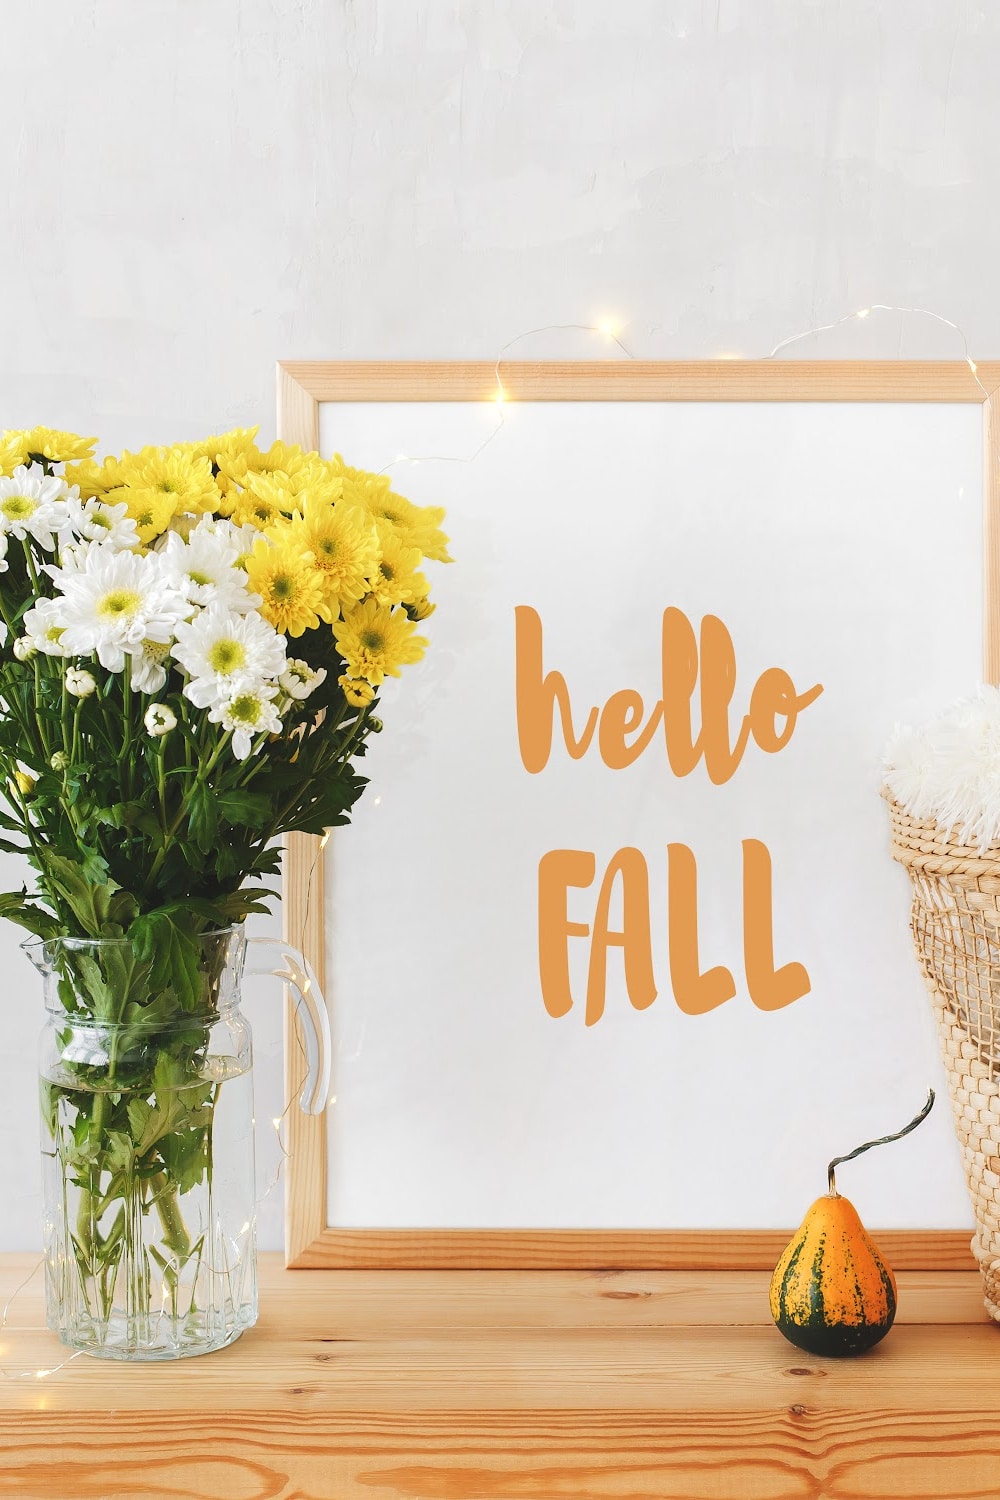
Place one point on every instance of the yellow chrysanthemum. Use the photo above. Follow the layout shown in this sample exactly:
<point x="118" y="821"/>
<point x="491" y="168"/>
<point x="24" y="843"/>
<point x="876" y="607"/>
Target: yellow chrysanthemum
<point x="12" y="452"/>
<point x="92" y="478"/>
<point x="425" y="532"/>
<point x="344" y="545"/>
<point x="394" y="579"/>
<point x="151" y="510"/>
<point x="229" y="446"/>
<point x="48" y="442"/>
<point x="420" y="609"/>
<point x="415" y="525"/>
<point x="281" y="458"/>
<point x="267" y="499"/>
<point x="158" y="483"/>
<point x="375" y="642"/>
<point x="359" y="486"/>
<point x="357" y="692"/>
<point x="289" y="584"/>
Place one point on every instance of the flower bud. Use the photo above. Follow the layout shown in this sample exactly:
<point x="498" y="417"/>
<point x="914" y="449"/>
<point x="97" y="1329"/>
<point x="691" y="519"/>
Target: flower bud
<point x="80" y="683"/>
<point x="357" y="692"/>
<point x="60" y="761"/>
<point x="159" y="719"/>
<point x="23" y="648"/>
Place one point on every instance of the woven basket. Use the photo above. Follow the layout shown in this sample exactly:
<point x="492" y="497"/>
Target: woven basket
<point x="955" y="921"/>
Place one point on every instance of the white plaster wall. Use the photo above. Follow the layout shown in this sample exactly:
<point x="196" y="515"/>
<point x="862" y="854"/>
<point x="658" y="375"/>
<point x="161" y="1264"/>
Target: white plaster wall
<point x="194" y="190"/>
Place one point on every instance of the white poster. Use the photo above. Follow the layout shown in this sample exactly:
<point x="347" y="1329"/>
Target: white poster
<point x="614" y="939"/>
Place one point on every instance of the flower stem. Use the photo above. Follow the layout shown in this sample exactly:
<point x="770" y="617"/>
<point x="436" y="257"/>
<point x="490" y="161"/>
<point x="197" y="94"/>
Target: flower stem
<point x="175" y="1235"/>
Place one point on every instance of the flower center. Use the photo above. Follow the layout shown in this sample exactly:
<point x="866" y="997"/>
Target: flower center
<point x="119" y="602"/>
<point x="98" y="518"/>
<point x="200" y="579"/>
<point x="245" y="709"/>
<point x="226" y="655"/>
<point x="372" y="641"/>
<point x="19" y="507"/>
<point x="283" y="588"/>
<point x="387" y="570"/>
<point x="155" y="650"/>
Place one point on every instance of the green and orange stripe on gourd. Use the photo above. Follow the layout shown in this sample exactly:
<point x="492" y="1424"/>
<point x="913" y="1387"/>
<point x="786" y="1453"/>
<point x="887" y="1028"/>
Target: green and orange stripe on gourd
<point x="832" y="1293"/>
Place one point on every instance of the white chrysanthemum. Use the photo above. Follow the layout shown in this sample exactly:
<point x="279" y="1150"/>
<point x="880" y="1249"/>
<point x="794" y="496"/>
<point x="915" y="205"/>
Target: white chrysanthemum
<point x="205" y="568"/>
<point x="299" y="679"/>
<point x="949" y="770"/>
<point x="35" y="504"/>
<point x="149" y="666"/>
<point x="95" y="520"/>
<point x="248" y="714"/>
<point x="80" y="682"/>
<point x="44" y="628"/>
<point x="224" y="653"/>
<point x="113" y="603"/>
<point x="159" y="719"/>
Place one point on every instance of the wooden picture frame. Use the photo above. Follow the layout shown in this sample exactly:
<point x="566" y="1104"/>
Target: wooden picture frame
<point x="301" y="387"/>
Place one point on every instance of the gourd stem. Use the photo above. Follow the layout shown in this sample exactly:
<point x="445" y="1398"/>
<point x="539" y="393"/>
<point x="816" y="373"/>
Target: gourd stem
<point x="883" y="1140"/>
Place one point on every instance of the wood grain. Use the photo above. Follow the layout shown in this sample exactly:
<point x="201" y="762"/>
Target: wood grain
<point x="303" y="907"/>
<point x="644" y="380"/>
<point x="595" y="1249"/>
<point x="302" y="384"/>
<point x="991" y="540"/>
<point x="485" y="1385"/>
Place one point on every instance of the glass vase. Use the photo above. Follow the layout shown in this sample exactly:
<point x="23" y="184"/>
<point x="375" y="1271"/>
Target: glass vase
<point x="148" y="1146"/>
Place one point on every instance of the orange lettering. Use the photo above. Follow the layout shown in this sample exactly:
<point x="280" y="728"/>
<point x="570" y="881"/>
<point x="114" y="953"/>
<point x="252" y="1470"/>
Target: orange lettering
<point x="770" y="988"/>
<point x="537" y="695"/>
<point x="774" y="694"/>
<point x="679" y="667"/>
<point x="634" y="937"/>
<point x="718" y="684"/>
<point x="622" y="715"/>
<point x="695" y="992"/>
<point x="557" y="870"/>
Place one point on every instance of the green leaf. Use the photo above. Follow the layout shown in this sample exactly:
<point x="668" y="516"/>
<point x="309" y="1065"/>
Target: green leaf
<point x="118" y="1150"/>
<point x="139" y="1113"/>
<point x="16" y="907"/>
<point x="88" y="900"/>
<point x="172" y="953"/>
<point x="249" y="809"/>
<point x="203" y="816"/>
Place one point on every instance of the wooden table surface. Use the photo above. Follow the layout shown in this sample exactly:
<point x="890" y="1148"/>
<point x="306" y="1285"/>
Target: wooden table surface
<point x="490" y="1385"/>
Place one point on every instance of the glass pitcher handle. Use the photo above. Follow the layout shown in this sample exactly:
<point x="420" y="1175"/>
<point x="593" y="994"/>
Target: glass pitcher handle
<point x="312" y="1016"/>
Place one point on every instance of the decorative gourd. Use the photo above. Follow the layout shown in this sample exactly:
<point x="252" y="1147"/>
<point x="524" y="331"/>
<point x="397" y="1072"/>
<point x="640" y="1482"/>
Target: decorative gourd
<point x="832" y="1293"/>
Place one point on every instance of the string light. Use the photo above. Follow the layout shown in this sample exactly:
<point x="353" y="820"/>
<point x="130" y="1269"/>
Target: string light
<point x="864" y="312"/>
<point x="607" y="329"/>
<point x="41" y="1374"/>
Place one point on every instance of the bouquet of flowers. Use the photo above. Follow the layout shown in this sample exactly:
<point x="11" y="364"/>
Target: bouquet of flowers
<point x="193" y="642"/>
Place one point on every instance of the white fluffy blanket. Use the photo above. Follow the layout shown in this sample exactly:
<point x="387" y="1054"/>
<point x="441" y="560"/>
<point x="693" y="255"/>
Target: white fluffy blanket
<point x="949" y="769"/>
